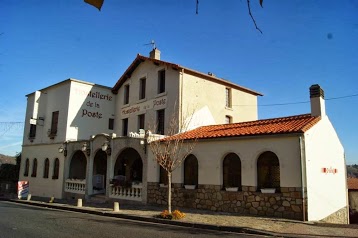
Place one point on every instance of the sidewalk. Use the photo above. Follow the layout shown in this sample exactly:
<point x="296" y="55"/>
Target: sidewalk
<point x="209" y="220"/>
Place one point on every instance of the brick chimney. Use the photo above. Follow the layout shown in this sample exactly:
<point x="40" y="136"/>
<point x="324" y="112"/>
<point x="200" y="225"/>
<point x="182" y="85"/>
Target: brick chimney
<point x="155" y="54"/>
<point x="318" y="107"/>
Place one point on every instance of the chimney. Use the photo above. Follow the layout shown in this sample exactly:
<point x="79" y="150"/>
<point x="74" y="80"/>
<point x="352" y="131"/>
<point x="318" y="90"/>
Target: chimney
<point x="318" y="107"/>
<point x="154" y="54"/>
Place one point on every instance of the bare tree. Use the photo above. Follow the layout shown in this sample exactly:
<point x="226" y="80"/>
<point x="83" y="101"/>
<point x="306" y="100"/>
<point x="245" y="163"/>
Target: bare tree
<point x="171" y="150"/>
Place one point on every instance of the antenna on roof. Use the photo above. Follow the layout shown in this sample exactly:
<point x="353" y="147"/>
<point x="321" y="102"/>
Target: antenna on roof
<point x="152" y="43"/>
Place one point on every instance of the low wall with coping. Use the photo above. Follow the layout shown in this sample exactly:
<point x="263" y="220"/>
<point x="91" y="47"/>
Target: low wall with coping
<point x="286" y="204"/>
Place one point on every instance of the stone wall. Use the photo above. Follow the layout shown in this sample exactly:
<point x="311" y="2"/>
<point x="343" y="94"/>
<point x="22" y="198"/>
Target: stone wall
<point x="286" y="204"/>
<point x="339" y="217"/>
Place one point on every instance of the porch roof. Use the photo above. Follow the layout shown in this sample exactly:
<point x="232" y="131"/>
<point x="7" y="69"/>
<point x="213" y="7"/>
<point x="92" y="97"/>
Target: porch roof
<point x="282" y="125"/>
<point x="352" y="183"/>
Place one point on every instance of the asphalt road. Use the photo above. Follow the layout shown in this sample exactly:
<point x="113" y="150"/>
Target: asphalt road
<point x="20" y="221"/>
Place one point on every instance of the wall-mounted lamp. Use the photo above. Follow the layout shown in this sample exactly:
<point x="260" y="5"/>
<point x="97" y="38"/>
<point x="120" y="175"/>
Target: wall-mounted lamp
<point x="63" y="149"/>
<point x="85" y="148"/>
<point x="106" y="147"/>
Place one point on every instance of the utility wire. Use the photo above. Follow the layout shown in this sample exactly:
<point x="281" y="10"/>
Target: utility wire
<point x="292" y="103"/>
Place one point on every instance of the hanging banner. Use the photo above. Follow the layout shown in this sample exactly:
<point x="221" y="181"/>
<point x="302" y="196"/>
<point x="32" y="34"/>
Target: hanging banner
<point x="22" y="189"/>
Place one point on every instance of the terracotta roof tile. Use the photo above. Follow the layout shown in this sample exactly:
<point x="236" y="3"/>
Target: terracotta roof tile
<point x="352" y="183"/>
<point x="282" y="125"/>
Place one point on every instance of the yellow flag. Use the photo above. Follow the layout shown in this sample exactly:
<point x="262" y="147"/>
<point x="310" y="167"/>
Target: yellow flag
<point x="95" y="3"/>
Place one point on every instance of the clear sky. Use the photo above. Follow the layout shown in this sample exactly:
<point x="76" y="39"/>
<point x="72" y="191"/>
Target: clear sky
<point x="304" y="42"/>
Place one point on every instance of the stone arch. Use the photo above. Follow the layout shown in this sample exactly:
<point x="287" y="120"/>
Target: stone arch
<point x="268" y="170"/>
<point x="46" y="168"/>
<point x="78" y="165"/>
<point x="27" y="167"/>
<point x="232" y="171"/>
<point x="191" y="170"/>
<point x="128" y="168"/>
<point x="100" y="169"/>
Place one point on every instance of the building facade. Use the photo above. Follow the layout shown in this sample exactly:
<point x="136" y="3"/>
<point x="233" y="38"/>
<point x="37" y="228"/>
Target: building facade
<point x="83" y="139"/>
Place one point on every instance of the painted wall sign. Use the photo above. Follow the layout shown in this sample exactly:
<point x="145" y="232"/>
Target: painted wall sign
<point x="93" y="106"/>
<point x="329" y="170"/>
<point x="142" y="107"/>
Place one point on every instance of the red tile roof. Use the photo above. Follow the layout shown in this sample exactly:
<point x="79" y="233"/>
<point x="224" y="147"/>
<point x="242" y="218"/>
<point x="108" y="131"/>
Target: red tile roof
<point x="140" y="58"/>
<point x="352" y="183"/>
<point x="283" y="125"/>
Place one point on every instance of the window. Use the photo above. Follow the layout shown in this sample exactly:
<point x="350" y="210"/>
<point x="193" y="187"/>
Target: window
<point x="228" y="119"/>
<point x="191" y="170"/>
<point x="142" y="85"/>
<point x="228" y="97"/>
<point x="163" y="176"/>
<point x="268" y="171"/>
<point x="34" y="168"/>
<point x="56" y="169"/>
<point x="111" y="124"/>
<point x="161" y="81"/>
<point x="46" y="167"/>
<point x="32" y="131"/>
<point x="232" y="171"/>
<point x="141" y="121"/>
<point x="27" y="166"/>
<point x="54" y="124"/>
<point x="125" y="127"/>
<point x="126" y="94"/>
<point x="160" y="122"/>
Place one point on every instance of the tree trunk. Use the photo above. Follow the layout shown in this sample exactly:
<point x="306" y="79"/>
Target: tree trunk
<point x="169" y="192"/>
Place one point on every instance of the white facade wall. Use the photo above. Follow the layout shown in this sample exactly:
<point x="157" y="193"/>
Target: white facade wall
<point x="40" y="186"/>
<point x="326" y="191"/>
<point x="152" y="102"/>
<point x="210" y="155"/>
<point x="51" y="99"/>
<point x="208" y="99"/>
<point x="90" y="108"/>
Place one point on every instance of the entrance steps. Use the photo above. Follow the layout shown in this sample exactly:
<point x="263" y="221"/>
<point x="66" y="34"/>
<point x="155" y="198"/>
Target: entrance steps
<point x="98" y="199"/>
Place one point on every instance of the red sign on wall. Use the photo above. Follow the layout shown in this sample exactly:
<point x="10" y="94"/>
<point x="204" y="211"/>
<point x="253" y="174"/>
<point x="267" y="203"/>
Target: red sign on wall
<point x="329" y="170"/>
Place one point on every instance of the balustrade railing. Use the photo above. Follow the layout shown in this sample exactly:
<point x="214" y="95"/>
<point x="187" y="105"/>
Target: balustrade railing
<point x="133" y="193"/>
<point x="75" y="186"/>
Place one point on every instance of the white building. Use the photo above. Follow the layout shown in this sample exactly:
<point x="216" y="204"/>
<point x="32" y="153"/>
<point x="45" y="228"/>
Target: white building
<point x="83" y="139"/>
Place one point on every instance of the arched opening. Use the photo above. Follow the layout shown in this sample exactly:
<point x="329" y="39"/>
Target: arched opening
<point x="56" y="169"/>
<point x="232" y="171"/>
<point x="268" y="171"/>
<point x="163" y="176"/>
<point x="34" y="168"/>
<point x="128" y="169"/>
<point x="78" y="166"/>
<point x="27" y="167"/>
<point x="191" y="170"/>
<point x="46" y="167"/>
<point x="99" y="171"/>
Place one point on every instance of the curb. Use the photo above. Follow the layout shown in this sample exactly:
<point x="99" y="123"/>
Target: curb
<point x="234" y="229"/>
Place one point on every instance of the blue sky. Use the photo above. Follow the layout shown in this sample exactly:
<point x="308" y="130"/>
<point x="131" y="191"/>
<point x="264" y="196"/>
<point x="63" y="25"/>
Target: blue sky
<point x="303" y="42"/>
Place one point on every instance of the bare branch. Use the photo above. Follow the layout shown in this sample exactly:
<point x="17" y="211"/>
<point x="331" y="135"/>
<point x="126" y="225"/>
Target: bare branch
<point x="252" y="17"/>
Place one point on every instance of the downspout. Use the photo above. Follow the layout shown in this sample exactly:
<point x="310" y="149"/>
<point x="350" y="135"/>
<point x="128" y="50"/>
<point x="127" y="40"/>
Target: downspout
<point x="181" y="98"/>
<point x="303" y="174"/>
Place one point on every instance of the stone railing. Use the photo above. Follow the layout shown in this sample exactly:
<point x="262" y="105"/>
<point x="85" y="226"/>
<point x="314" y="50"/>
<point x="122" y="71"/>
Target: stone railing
<point x="133" y="193"/>
<point x="75" y="186"/>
